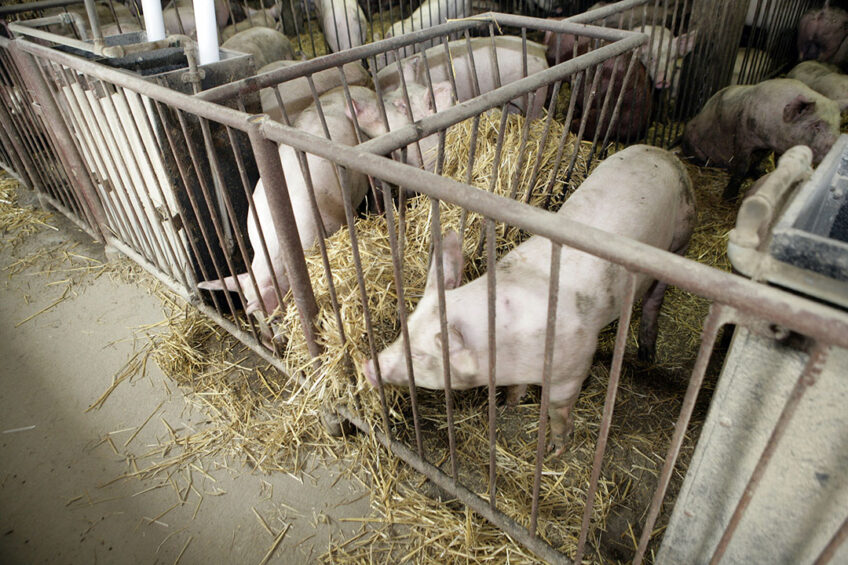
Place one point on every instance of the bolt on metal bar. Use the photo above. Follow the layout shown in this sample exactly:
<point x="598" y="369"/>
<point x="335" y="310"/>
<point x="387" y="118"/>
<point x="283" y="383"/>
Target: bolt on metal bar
<point x="547" y="369"/>
<point x="833" y="545"/>
<point x="717" y="317"/>
<point x="807" y="378"/>
<point x="609" y="405"/>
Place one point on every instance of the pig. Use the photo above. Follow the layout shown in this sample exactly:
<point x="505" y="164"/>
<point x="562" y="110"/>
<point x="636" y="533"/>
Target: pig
<point x="119" y="27"/>
<point x="635" y="109"/>
<point x="265" y="44"/>
<point x="773" y="115"/>
<point x="296" y="94"/>
<point x="428" y="14"/>
<point x="423" y="153"/>
<point x="641" y="192"/>
<point x="823" y="78"/>
<point x="562" y="47"/>
<point x="509" y="55"/>
<point x="663" y="54"/>
<point x="343" y="22"/>
<point x="823" y="36"/>
<point x="269" y="17"/>
<point x="328" y="193"/>
<point x="179" y="17"/>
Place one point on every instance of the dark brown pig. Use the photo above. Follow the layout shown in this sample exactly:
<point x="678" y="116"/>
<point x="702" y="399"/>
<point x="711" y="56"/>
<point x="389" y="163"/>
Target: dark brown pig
<point x="823" y="36"/>
<point x="634" y="114"/>
<point x="773" y="115"/>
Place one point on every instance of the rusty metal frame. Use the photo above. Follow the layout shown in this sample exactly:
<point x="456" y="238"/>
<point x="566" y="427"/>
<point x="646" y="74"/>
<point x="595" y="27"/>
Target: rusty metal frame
<point x="730" y="293"/>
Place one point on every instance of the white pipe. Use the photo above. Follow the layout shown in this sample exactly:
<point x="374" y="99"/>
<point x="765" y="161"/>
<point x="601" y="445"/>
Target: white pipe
<point x="154" y="24"/>
<point x="207" y="31"/>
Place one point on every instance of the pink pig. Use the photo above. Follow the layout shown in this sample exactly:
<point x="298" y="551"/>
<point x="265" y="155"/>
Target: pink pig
<point x="641" y="192"/>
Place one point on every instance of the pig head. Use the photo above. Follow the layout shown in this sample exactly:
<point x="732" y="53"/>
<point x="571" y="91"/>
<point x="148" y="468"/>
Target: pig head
<point x="823" y="36"/>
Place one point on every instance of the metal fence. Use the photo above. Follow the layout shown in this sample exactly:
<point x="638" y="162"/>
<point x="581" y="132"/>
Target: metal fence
<point x="170" y="179"/>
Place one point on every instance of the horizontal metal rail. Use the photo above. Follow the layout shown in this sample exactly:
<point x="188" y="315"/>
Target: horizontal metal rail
<point x="796" y="313"/>
<point x="40" y="5"/>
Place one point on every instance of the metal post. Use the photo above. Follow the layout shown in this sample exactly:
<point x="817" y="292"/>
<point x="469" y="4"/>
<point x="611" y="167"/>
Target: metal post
<point x="73" y="161"/>
<point x="285" y="228"/>
<point x="20" y="158"/>
<point x="94" y="22"/>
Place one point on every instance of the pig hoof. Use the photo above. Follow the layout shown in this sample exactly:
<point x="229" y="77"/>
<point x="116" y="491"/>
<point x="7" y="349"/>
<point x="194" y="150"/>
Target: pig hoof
<point x="557" y="446"/>
<point x="646" y="355"/>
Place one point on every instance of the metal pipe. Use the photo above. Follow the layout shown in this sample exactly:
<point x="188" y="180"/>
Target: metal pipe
<point x="833" y="545"/>
<point x="807" y="378"/>
<point x="22" y="29"/>
<point x="74" y="164"/>
<point x="23" y="165"/>
<point x="94" y="23"/>
<point x="796" y="313"/>
<point x="467" y="497"/>
<point x="285" y="228"/>
<point x="32" y="6"/>
<point x="154" y="24"/>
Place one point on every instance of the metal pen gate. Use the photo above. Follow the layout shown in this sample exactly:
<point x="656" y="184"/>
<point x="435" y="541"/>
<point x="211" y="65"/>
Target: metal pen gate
<point x="50" y="77"/>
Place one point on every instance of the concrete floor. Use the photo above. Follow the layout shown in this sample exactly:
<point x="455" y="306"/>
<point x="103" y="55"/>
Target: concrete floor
<point x="59" y="500"/>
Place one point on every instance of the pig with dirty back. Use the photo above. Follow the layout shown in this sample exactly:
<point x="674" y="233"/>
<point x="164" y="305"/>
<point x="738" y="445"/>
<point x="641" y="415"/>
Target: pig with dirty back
<point x="265" y="44"/>
<point x="823" y="36"/>
<point x="329" y="195"/>
<point x="773" y="115"/>
<point x="643" y="193"/>
<point x="398" y="113"/>
<point x="427" y="15"/>
<point x="823" y="78"/>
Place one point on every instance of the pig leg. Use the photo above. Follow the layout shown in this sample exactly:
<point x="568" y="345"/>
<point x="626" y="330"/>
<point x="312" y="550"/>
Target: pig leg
<point x="514" y="394"/>
<point x="648" y="324"/>
<point x="562" y="425"/>
<point x="738" y="170"/>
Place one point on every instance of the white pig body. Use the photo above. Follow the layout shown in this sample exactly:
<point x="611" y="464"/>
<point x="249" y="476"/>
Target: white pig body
<point x="265" y="44"/>
<point x="510" y="68"/>
<point x="343" y="23"/>
<point x="328" y="194"/>
<point x="296" y="94"/>
<point x="428" y="14"/>
<point x="643" y="193"/>
<point x="823" y="78"/>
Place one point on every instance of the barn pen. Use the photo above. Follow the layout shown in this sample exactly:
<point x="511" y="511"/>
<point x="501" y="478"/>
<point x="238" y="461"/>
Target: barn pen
<point x="164" y="169"/>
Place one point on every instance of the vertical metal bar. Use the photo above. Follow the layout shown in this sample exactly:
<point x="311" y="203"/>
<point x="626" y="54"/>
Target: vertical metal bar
<point x="807" y="378"/>
<point x="550" y="343"/>
<point x="285" y="228"/>
<point x="94" y="23"/>
<point x="491" y="287"/>
<point x="833" y="545"/>
<point x="609" y="405"/>
<point x="71" y="157"/>
<point x="24" y="166"/>
<point x="714" y="321"/>
<point x="443" y="324"/>
<point x="397" y="269"/>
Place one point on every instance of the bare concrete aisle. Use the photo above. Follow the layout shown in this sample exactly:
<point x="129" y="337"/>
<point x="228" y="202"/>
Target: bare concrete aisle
<point x="59" y="501"/>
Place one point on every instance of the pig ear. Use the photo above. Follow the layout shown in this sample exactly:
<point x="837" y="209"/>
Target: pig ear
<point x="799" y="107"/>
<point x="686" y="42"/>
<point x="401" y="106"/>
<point x="410" y="68"/>
<point x="357" y="109"/>
<point x="462" y="361"/>
<point x="451" y="261"/>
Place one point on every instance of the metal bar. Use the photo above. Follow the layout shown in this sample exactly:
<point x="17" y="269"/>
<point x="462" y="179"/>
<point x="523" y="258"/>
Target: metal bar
<point x="467" y="497"/>
<point x="24" y="165"/>
<point x="74" y="163"/>
<point x="547" y="369"/>
<point x="716" y="318"/>
<point x="33" y="6"/>
<point x="807" y="378"/>
<point x="285" y="228"/>
<point x="609" y="405"/>
<point x="799" y="314"/>
<point x="833" y="545"/>
<point x="60" y="207"/>
<point x="397" y="271"/>
<point x="491" y="307"/>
